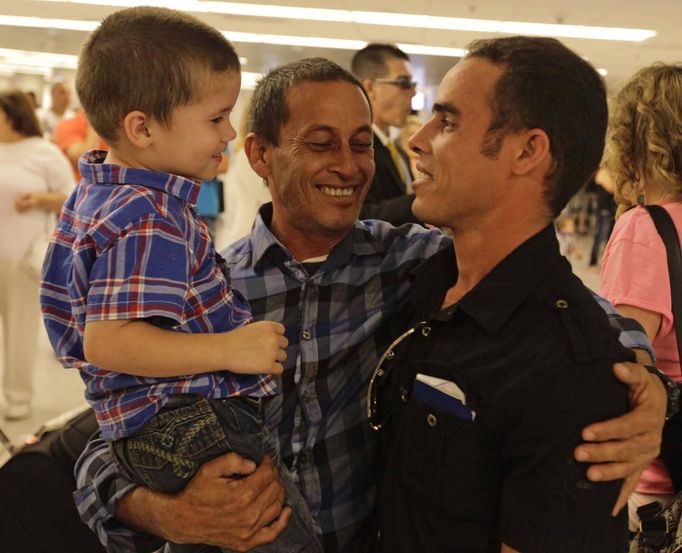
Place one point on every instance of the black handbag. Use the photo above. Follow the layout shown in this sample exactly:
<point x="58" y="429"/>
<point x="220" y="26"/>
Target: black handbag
<point x="661" y="529"/>
<point x="37" y="510"/>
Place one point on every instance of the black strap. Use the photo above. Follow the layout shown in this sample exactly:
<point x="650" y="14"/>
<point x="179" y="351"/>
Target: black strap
<point x="666" y="228"/>
<point x="671" y="453"/>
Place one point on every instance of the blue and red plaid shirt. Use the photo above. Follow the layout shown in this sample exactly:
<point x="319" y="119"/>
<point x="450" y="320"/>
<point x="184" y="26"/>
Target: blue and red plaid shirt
<point x="129" y="245"/>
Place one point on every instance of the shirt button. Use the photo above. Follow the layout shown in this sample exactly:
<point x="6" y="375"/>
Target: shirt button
<point x="307" y="335"/>
<point x="561" y="304"/>
<point x="306" y="396"/>
<point x="426" y="330"/>
<point x="431" y="420"/>
<point x="390" y="355"/>
<point x="404" y="395"/>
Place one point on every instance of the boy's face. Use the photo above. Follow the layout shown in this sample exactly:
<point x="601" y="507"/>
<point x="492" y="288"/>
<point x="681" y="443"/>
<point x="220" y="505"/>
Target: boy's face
<point x="192" y="145"/>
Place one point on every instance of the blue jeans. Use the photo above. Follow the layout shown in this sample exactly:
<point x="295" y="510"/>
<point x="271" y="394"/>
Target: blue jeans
<point x="189" y="431"/>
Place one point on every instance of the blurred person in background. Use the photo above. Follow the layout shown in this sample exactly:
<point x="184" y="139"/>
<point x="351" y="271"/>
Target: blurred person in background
<point x="412" y="125"/>
<point x="49" y="118"/>
<point x="245" y="191"/>
<point x="35" y="178"/>
<point x="386" y="74"/>
<point x="75" y="136"/>
<point x="644" y="157"/>
<point x="210" y="199"/>
<point x="32" y="98"/>
<point x="606" y="211"/>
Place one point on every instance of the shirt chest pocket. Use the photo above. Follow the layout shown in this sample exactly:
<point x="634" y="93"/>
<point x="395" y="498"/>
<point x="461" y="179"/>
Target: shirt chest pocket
<point x="445" y="461"/>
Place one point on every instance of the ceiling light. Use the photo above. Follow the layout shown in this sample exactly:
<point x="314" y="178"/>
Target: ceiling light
<point x="45" y="23"/>
<point x="394" y="19"/>
<point x="289" y="40"/>
<point x="38" y="59"/>
<point x="42" y="63"/>
<point x="428" y="21"/>
<point x="234" y="36"/>
<point x="249" y="80"/>
<point x="10" y="69"/>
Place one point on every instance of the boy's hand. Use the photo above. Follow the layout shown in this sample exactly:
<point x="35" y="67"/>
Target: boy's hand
<point x="257" y="348"/>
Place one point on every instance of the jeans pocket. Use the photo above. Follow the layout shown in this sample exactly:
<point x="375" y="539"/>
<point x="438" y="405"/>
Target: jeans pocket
<point x="169" y="449"/>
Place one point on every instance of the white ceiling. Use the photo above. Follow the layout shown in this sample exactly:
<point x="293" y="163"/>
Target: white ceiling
<point x="620" y="59"/>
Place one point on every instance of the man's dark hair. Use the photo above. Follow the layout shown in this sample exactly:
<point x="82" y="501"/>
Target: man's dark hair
<point x="270" y="101"/>
<point x="547" y="86"/>
<point x="20" y="113"/>
<point x="370" y="62"/>
<point x="148" y="59"/>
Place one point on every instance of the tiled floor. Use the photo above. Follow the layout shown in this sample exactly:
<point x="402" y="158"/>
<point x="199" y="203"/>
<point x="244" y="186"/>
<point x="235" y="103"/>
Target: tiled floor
<point x="58" y="390"/>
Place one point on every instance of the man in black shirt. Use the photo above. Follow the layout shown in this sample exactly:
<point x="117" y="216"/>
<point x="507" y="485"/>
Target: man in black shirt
<point x="484" y="402"/>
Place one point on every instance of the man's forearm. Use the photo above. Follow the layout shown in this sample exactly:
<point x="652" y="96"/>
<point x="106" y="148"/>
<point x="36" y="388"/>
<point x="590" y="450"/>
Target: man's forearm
<point x="143" y="510"/>
<point x="99" y="488"/>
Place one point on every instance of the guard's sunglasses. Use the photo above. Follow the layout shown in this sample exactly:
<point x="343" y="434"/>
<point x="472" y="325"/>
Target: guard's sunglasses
<point x="402" y="82"/>
<point x="377" y="412"/>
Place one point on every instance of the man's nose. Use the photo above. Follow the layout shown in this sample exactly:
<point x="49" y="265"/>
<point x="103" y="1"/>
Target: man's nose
<point x="344" y="161"/>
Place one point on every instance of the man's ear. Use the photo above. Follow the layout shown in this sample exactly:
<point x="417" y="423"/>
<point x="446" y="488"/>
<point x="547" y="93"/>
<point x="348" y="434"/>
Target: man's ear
<point x="532" y="152"/>
<point x="259" y="154"/>
<point x="136" y="128"/>
<point x="369" y="87"/>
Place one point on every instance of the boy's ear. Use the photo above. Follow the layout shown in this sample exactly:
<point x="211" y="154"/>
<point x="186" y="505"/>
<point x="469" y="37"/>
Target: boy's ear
<point x="259" y="154"/>
<point x="532" y="152"/>
<point x="136" y="128"/>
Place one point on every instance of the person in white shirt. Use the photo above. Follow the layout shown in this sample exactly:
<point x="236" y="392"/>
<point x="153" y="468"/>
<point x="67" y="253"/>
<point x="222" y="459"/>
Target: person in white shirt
<point x="245" y="191"/>
<point x="35" y="178"/>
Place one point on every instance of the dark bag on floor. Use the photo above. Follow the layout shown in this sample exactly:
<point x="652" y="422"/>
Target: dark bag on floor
<point x="37" y="511"/>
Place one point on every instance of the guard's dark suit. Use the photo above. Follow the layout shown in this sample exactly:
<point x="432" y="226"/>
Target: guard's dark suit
<point x="386" y="199"/>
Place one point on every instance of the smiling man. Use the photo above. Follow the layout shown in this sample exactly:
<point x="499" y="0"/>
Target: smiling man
<point x="512" y="357"/>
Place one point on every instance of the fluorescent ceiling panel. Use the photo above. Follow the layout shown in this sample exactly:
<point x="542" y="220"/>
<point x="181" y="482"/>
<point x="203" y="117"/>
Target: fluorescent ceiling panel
<point x="392" y="19"/>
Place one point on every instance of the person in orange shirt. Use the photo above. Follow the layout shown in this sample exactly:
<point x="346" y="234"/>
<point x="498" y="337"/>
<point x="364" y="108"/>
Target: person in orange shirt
<point x="75" y="136"/>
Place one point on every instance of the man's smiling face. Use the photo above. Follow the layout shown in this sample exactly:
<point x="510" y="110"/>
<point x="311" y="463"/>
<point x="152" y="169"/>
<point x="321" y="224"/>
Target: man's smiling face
<point x="320" y="173"/>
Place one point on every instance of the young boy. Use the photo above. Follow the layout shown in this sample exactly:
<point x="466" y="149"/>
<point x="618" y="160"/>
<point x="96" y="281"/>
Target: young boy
<point x="134" y="294"/>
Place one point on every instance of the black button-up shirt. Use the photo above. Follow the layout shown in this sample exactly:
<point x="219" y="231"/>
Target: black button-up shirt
<point x="533" y="353"/>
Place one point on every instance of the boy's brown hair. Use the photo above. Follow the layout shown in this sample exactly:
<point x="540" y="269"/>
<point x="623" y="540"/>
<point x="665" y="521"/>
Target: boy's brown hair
<point x="148" y="59"/>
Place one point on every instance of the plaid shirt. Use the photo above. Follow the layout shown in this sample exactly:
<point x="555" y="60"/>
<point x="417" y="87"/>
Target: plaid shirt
<point x="338" y="320"/>
<point x="129" y="245"/>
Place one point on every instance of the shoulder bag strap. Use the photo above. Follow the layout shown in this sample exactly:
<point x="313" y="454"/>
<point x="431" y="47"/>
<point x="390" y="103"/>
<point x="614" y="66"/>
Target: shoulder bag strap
<point x="666" y="228"/>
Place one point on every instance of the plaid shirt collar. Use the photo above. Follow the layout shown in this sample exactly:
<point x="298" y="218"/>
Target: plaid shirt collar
<point x="93" y="169"/>
<point x="359" y="241"/>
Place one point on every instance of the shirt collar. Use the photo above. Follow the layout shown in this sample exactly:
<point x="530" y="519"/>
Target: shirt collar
<point x="501" y="291"/>
<point x="359" y="241"/>
<point x="380" y="135"/>
<point x="93" y="169"/>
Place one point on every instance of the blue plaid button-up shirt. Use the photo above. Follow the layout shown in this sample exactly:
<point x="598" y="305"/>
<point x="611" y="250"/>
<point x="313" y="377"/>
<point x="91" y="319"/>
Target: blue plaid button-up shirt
<point x="129" y="245"/>
<point x="338" y="320"/>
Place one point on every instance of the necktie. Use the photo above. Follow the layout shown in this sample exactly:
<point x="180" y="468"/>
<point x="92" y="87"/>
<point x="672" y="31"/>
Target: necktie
<point x="397" y="161"/>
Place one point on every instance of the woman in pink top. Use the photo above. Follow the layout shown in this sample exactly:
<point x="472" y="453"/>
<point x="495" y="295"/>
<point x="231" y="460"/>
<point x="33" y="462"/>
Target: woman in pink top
<point x="644" y="158"/>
